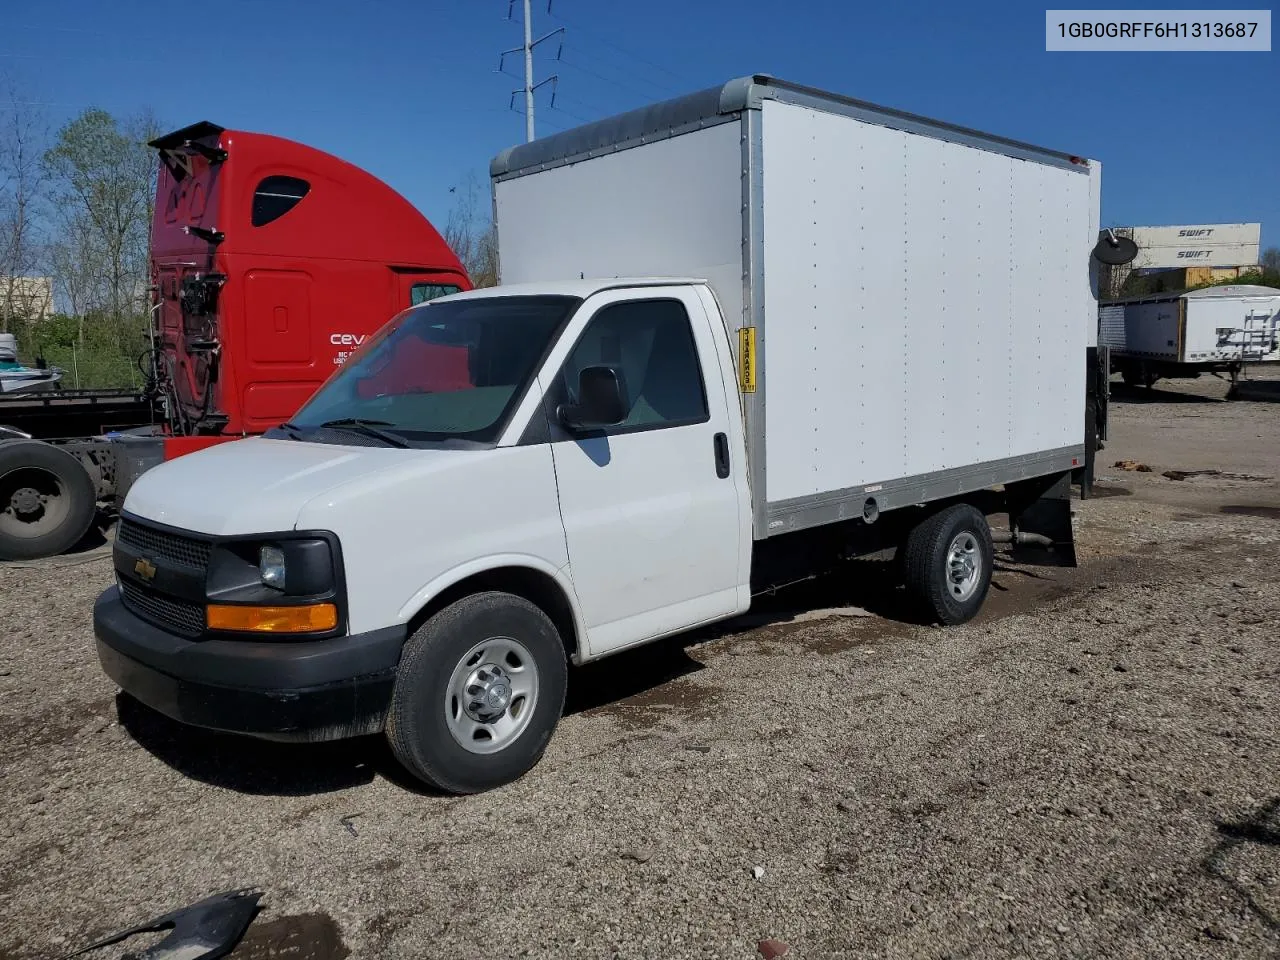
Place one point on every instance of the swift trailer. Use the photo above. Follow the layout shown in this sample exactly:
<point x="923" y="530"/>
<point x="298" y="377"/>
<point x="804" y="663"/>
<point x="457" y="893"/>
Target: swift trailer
<point x="855" y="331"/>
<point x="1185" y="334"/>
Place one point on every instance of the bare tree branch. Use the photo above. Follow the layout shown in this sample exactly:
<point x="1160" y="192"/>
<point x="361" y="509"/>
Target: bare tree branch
<point x="471" y="234"/>
<point x="23" y="135"/>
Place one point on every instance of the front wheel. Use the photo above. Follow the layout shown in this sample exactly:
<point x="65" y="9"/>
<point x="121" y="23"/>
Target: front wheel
<point x="947" y="562"/>
<point x="478" y="693"/>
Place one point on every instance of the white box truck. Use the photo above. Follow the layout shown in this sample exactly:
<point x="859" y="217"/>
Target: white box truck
<point x="856" y="330"/>
<point x="1184" y="334"/>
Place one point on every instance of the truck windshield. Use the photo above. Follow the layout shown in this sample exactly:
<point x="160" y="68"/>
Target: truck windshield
<point x="447" y="370"/>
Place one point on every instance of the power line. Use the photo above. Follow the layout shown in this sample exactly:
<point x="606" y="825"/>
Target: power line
<point x="621" y="49"/>
<point x="42" y="28"/>
<point x="621" y="85"/>
<point x="56" y="56"/>
<point x="580" y="104"/>
<point x="570" y="113"/>
<point x="598" y="62"/>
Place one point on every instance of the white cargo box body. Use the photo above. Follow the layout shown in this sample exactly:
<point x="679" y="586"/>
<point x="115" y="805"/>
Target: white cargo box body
<point x="917" y="297"/>
<point x="1235" y="323"/>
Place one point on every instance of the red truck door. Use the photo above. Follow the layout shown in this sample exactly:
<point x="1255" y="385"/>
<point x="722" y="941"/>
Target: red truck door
<point x="287" y="331"/>
<point x="281" y="373"/>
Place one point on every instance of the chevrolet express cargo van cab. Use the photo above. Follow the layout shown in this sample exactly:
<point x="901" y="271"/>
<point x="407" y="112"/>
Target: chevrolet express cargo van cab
<point x="854" y="330"/>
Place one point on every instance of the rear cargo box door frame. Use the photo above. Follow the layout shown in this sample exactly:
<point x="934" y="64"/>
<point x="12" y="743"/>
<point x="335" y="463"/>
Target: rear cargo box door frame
<point x="752" y="319"/>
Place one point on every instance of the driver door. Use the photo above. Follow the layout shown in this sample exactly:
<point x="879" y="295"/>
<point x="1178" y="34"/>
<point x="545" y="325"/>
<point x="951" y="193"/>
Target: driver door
<point x="653" y="509"/>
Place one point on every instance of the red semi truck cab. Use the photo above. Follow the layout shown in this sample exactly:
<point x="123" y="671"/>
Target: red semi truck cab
<point x="271" y="262"/>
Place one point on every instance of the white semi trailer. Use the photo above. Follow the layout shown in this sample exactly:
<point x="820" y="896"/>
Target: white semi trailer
<point x="1184" y="334"/>
<point x="740" y="335"/>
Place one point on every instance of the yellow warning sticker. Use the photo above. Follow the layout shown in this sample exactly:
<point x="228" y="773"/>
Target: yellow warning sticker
<point x="747" y="359"/>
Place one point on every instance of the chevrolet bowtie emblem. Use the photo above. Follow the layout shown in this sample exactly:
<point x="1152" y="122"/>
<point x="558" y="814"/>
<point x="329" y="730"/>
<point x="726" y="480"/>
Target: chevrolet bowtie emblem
<point x="145" y="569"/>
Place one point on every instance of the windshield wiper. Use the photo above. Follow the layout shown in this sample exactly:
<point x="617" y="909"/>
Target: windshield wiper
<point x="295" y="431"/>
<point x="369" y="428"/>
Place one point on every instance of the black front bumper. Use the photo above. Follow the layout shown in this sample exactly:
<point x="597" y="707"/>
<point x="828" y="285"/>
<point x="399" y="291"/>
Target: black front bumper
<point x="280" y="690"/>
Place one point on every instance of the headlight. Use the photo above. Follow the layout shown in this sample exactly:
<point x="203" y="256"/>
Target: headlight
<point x="271" y="566"/>
<point x="279" y="583"/>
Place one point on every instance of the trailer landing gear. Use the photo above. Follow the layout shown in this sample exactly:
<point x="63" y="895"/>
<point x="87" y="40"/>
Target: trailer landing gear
<point x="1234" y="371"/>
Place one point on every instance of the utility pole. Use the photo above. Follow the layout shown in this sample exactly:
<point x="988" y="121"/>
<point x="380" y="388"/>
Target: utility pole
<point x="527" y="49"/>
<point x="528" y="71"/>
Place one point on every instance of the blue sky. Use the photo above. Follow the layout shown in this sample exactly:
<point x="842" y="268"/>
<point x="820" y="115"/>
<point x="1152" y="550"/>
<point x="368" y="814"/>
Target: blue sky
<point x="408" y="90"/>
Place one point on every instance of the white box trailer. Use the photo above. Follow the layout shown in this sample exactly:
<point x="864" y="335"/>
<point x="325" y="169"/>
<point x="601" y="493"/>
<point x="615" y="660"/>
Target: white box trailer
<point x="910" y="302"/>
<point x="1184" y="334"/>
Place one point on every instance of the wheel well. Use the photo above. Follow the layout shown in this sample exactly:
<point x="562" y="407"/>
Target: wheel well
<point x="986" y="502"/>
<point x="533" y="585"/>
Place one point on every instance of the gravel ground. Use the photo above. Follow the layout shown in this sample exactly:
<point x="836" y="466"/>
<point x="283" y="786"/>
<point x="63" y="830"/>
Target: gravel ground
<point x="1089" y="769"/>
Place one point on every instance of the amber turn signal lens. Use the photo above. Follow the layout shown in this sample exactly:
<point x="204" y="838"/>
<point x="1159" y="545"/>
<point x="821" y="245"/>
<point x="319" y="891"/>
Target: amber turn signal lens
<point x="304" y="618"/>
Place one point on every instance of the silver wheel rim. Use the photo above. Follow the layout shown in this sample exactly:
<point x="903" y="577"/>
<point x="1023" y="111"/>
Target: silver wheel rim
<point x="964" y="566"/>
<point x="491" y="696"/>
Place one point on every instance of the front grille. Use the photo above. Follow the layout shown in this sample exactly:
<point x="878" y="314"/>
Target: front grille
<point x="160" y="544"/>
<point x="178" y="615"/>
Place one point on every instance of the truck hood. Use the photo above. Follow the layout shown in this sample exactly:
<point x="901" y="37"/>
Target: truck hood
<point x="258" y="485"/>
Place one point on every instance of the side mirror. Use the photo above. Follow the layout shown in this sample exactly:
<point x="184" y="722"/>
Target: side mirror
<point x="602" y="400"/>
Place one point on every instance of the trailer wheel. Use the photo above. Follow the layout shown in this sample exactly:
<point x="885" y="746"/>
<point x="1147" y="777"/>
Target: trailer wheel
<point x="47" y="500"/>
<point x="947" y="562"/>
<point x="1139" y="375"/>
<point x="478" y="693"/>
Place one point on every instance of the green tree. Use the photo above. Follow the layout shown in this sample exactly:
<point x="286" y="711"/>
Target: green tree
<point x="94" y="350"/>
<point x="1262" y="277"/>
<point x="104" y="176"/>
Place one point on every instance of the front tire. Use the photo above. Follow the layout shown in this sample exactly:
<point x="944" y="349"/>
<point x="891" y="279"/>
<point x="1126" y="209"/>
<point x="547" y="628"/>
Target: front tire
<point x="947" y="564"/>
<point x="478" y="694"/>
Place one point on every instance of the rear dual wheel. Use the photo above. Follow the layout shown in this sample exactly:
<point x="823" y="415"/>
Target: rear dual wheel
<point x="478" y="693"/>
<point x="947" y="561"/>
<point x="47" y="500"/>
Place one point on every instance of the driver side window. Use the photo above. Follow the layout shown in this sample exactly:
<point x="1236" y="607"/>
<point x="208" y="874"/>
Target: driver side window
<point x="651" y="345"/>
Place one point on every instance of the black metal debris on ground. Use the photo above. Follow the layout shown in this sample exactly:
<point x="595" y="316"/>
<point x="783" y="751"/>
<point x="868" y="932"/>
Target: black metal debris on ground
<point x="203" y="931"/>
<point x="347" y="822"/>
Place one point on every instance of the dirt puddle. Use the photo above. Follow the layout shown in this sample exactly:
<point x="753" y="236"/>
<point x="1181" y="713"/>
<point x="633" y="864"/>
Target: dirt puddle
<point x="304" y="936"/>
